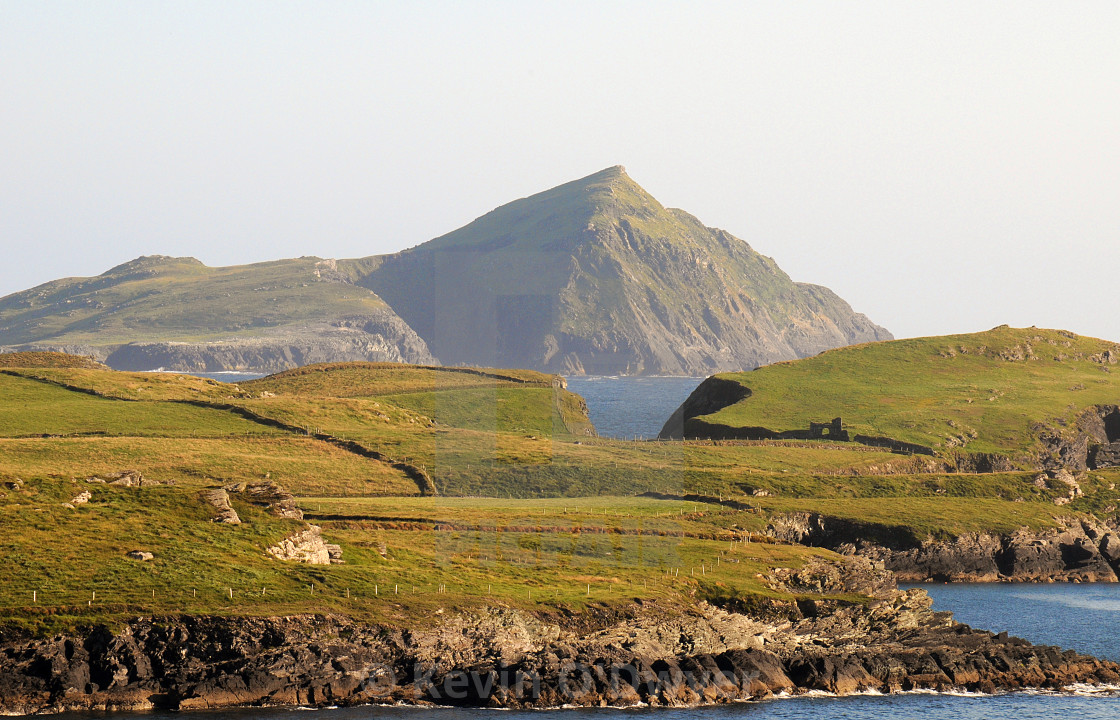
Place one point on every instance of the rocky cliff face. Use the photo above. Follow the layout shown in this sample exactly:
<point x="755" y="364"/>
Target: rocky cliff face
<point x="382" y="337"/>
<point x="1076" y="551"/>
<point x="1091" y="442"/>
<point x="507" y="658"/>
<point x="597" y="277"/>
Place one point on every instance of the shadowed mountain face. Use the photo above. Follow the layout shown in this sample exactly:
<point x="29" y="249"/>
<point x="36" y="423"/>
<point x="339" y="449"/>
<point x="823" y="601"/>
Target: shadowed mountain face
<point x="597" y="277"/>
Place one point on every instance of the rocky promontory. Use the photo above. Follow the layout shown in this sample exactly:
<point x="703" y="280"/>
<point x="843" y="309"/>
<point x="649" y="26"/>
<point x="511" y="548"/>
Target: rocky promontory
<point x="618" y="655"/>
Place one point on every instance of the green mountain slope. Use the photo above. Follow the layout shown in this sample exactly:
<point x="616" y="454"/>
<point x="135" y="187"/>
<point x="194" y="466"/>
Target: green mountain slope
<point x="180" y="314"/>
<point x="596" y="276"/>
<point x="1041" y="398"/>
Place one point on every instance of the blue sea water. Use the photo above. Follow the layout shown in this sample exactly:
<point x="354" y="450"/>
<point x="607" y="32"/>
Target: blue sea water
<point x="632" y="407"/>
<point x="906" y="706"/>
<point x="1082" y="617"/>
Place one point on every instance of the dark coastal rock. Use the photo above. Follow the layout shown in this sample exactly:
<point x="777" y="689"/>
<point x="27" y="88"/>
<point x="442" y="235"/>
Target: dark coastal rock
<point x="1092" y="442"/>
<point x="1106" y="455"/>
<point x="507" y="658"/>
<point x="710" y="396"/>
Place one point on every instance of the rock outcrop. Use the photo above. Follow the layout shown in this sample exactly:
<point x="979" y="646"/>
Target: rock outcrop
<point x="80" y="499"/>
<point x="307" y="546"/>
<point x="126" y="478"/>
<point x="1091" y="442"/>
<point x="268" y="494"/>
<point x="224" y="513"/>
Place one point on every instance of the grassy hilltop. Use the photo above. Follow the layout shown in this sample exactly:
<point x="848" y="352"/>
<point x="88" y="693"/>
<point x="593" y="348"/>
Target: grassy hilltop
<point x="444" y="488"/>
<point x="991" y="392"/>
<point x="176" y="312"/>
<point x="165" y="298"/>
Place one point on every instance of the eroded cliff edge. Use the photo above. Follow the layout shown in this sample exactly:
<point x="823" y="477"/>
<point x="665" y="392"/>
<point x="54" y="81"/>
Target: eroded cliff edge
<point x="619" y="655"/>
<point x="1076" y="550"/>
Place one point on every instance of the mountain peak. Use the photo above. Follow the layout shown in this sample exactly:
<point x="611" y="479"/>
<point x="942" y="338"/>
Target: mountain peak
<point x="609" y="178"/>
<point x="611" y="173"/>
<point x="554" y="218"/>
<point x="596" y="276"/>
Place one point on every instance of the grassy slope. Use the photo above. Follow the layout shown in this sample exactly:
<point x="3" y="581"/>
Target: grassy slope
<point x="198" y="562"/>
<point x="303" y="465"/>
<point x="159" y="298"/>
<point x="997" y="384"/>
<point x="73" y="561"/>
<point x="521" y="552"/>
<point x="47" y="360"/>
<point x="36" y="408"/>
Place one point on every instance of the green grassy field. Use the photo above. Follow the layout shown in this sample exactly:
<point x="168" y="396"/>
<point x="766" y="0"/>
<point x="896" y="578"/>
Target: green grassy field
<point x="982" y="392"/>
<point x="35" y="408"/>
<point x="69" y="566"/>
<point x="302" y="465"/>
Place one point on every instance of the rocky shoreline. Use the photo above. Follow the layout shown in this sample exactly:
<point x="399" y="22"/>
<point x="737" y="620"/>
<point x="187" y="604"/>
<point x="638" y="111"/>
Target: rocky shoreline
<point x="637" y="654"/>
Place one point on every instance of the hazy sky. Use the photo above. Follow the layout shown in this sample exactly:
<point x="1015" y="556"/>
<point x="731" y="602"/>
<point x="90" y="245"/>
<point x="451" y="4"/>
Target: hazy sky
<point x="945" y="167"/>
